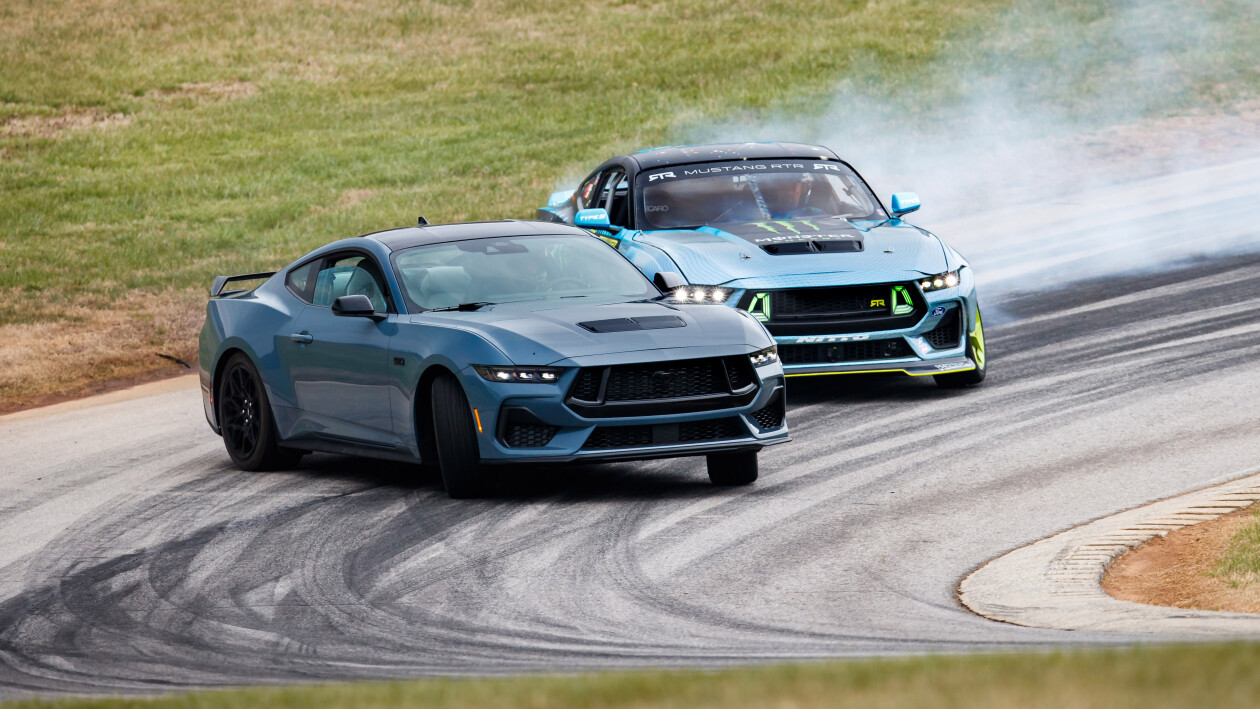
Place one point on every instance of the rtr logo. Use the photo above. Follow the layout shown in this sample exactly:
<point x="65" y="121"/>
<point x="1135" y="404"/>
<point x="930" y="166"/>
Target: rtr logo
<point x="825" y="166"/>
<point x="659" y="176"/>
<point x="878" y="303"/>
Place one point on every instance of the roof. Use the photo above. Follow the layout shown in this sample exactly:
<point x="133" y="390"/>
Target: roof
<point x="679" y="155"/>
<point x="407" y="237"/>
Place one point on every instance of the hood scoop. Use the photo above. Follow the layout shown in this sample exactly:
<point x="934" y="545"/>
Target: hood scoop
<point x="799" y="236"/>
<point x="652" y="322"/>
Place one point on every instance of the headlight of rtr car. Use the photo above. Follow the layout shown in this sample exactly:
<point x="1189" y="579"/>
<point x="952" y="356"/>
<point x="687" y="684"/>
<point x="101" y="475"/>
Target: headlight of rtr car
<point x="545" y="375"/>
<point x="700" y="294"/>
<point x="766" y="356"/>
<point x="949" y="279"/>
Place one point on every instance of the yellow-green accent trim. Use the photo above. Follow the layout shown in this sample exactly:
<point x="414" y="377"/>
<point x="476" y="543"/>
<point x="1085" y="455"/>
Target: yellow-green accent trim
<point x="977" y="341"/>
<point x="883" y="371"/>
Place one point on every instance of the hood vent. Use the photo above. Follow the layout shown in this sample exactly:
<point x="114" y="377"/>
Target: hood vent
<point x="653" y="322"/>
<point x="813" y="247"/>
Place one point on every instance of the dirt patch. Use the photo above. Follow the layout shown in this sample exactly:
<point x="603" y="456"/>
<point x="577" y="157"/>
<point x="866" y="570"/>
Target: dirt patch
<point x="93" y="350"/>
<point x="70" y="118"/>
<point x="203" y="92"/>
<point x="1174" y="570"/>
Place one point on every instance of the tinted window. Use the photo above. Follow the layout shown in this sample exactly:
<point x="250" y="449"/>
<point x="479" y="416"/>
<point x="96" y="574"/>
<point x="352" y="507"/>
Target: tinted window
<point x="754" y="191"/>
<point x="349" y="275"/>
<point x="517" y="269"/>
<point x="299" y="280"/>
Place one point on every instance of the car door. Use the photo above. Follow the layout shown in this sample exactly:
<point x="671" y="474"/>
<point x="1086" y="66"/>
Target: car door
<point x="340" y="364"/>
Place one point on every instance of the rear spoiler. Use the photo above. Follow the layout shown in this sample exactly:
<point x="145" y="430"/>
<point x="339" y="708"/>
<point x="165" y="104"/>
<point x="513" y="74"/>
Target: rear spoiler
<point x="216" y="289"/>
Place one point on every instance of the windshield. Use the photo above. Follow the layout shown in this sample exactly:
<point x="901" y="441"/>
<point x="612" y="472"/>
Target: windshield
<point x="689" y="196"/>
<point x="515" y="269"/>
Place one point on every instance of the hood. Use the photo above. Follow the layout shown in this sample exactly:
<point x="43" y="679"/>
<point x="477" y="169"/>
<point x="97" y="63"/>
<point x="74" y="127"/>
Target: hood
<point x="887" y="250"/>
<point x="547" y="332"/>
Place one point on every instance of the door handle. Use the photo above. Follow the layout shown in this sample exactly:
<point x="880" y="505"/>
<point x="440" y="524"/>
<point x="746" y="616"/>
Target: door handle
<point x="303" y="338"/>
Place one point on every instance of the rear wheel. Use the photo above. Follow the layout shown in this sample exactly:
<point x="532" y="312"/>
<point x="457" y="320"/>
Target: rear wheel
<point x="459" y="457"/>
<point x="975" y="351"/>
<point x="732" y="468"/>
<point x="249" y="432"/>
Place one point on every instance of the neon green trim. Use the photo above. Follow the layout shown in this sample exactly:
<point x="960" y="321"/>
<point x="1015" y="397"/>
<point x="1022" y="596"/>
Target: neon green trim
<point x="967" y="368"/>
<point x="901" y="302"/>
<point x="977" y="341"/>
<point x="762" y="313"/>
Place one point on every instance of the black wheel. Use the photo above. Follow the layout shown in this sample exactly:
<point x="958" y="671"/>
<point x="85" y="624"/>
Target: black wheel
<point x="733" y="468"/>
<point x="249" y="433"/>
<point x="456" y="438"/>
<point x="975" y="350"/>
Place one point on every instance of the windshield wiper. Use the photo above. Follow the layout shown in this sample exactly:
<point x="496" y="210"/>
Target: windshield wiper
<point x="462" y="306"/>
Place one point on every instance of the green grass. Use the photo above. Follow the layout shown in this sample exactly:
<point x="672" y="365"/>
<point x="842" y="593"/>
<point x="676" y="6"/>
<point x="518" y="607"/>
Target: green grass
<point x="1142" y="678"/>
<point x="146" y="146"/>
<point x="1239" y="566"/>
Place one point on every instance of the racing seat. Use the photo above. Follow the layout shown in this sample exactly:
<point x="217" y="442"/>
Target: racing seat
<point x="445" y="286"/>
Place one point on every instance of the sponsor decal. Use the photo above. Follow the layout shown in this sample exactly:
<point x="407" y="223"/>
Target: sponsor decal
<point x="943" y="367"/>
<point x="660" y="176"/>
<point x="826" y="166"/>
<point x="823" y="339"/>
<point x="656" y="208"/>
<point x="938" y="311"/>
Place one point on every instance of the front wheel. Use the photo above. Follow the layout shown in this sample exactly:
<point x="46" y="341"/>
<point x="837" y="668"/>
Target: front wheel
<point x="249" y="433"/>
<point x="732" y="468"/>
<point x="975" y="351"/>
<point x="459" y="457"/>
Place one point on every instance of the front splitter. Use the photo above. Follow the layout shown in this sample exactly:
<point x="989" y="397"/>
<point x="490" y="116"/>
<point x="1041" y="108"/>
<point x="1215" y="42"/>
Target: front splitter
<point x="913" y="369"/>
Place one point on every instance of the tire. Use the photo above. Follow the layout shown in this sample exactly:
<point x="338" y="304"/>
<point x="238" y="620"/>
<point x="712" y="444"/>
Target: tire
<point x="977" y="353"/>
<point x="732" y="468"/>
<point x="245" y="419"/>
<point x="459" y="457"/>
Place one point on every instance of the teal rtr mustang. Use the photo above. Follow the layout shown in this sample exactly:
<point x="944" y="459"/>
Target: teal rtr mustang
<point x="793" y="235"/>
<point x="473" y="345"/>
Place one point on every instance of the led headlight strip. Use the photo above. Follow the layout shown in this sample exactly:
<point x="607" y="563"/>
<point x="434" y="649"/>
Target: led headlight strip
<point x="700" y="294"/>
<point x="949" y="279"/>
<point x="544" y="375"/>
<point x="767" y="356"/>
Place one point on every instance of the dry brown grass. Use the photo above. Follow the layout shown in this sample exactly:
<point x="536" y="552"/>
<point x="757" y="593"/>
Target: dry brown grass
<point x="1176" y="570"/>
<point x="97" y="347"/>
<point x="70" y="118"/>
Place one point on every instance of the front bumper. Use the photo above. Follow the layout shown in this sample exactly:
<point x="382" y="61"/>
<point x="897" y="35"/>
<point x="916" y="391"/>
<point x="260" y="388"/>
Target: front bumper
<point x="566" y="436"/>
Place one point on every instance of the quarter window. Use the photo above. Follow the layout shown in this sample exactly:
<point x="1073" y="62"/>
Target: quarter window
<point x="299" y="280"/>
<point x="349" y="275"/>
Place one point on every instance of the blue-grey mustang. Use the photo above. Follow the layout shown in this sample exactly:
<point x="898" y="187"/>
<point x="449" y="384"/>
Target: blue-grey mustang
<point x="792" y="234"/>
<point x="465" y="345"/>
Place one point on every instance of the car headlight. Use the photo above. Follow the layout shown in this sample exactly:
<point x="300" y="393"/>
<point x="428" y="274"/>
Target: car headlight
<point x="542" y="375"/>
<point x="766" y="356"/>
<point x="701" y="294"/>
<point x="949" y="279"/>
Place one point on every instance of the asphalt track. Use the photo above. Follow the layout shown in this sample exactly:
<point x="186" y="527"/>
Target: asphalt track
<point x="134" y="558"/>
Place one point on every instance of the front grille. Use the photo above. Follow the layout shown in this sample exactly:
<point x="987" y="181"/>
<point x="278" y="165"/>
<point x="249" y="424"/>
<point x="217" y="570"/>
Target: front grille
<point x="604" y="437"/>
<point x="771" y="416"/>
<point x="839" y="309"/>
<point x="947" y="332"/>
<point x="837" y="352"/>
<point x="680" y="387"/>
<point x="666" y="380"/>
<point x="529" y="435"/>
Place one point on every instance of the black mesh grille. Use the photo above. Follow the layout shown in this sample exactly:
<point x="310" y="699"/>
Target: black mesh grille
<point x="772" y="415"/>
<point x="947" y="333"/>
<point x="835" y="352"/>
<point x="665" y="380"/>
<point x="740" y="372"/>
<point x="586" y="386"/>
<point x="711" y="430"/>
<point x="686" y="432"/>
<point x="619" y="437"/>
<point x="844" y="302"/>
<point x="529" y="435"/>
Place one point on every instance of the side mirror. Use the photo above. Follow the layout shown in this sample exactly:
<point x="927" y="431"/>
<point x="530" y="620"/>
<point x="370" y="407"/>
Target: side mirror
<point x="904" y="203"/>
<point x="667" y="281"/>
<point x="356" y="306"/>
<point x="594" y="219"/>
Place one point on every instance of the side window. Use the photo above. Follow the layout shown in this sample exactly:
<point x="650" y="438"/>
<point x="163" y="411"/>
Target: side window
<point x="299" y="280"/>
<point x="349" y="275"/>
<point x="618" y="204"/>
<point x="586" y="193"/>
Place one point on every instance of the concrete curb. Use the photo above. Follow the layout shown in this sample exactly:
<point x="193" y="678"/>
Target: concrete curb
<point x="1056" y="582"/>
